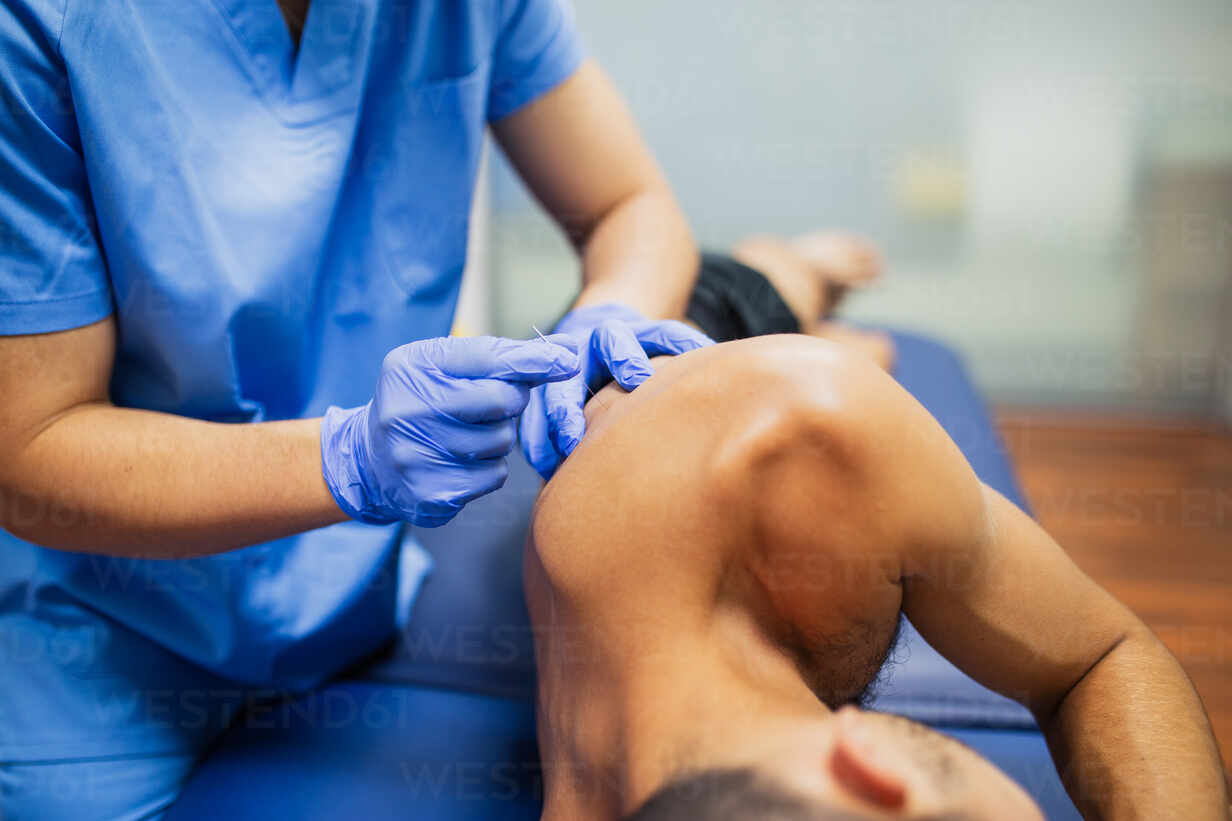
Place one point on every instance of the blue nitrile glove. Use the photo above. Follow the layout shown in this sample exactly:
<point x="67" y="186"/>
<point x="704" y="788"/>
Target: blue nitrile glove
<point x="615" y="343"/>
<point x="435" y="434"/>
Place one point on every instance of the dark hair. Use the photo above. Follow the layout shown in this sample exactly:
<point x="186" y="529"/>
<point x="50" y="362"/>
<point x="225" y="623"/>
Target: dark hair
<point x="738" y="795"/>
<point x="726" y="795"/>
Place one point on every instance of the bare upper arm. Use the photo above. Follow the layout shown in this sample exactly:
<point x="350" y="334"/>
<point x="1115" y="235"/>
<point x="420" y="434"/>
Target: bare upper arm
<point x="1013" y="611"/>
<point x="579" y="150"/>
<point x="985" y="585"/>
<point x="886" y="491"/>
<point x="44" y="375"/>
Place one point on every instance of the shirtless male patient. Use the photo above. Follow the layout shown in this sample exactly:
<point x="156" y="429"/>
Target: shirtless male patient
<point x="718" y="571"/>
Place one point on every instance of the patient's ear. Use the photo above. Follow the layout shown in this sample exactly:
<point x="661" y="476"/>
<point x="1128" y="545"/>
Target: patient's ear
<point x="859" y="768"/>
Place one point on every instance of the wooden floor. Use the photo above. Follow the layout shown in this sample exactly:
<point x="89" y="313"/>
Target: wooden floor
<point x="1147" y="511"/>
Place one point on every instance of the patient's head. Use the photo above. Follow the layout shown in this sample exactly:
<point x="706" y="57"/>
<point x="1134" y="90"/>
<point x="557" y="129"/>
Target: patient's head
<point x="856" y="767"/>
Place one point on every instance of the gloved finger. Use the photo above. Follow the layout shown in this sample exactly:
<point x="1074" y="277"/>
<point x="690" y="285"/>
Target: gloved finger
<point x="454" y="487"/>
<point x="563" y="403"/>
<point x="616" y="347"/>
<point x="476" y="401"/>
<point x="537" y="445"/>
<point x="488" y="357"/>
<point x="478" y="443"/>
<point x="669" y="337"/>
<point x="564" y="340"/>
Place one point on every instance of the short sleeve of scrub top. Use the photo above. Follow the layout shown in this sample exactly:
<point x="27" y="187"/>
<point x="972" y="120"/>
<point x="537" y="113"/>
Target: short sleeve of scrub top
<point x="536" y="49"/>
<point x="52" y="275"/>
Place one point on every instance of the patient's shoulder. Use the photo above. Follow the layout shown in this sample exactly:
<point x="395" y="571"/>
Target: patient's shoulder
<point x="836" y="435"/>
<point x="666" y="477"/>
<point x="813" y="432"/>
<point x="805" y="397"/>
<point x="851" y="487"/>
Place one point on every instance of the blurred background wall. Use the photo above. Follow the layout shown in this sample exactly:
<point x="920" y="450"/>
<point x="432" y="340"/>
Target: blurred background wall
<point x="1051" y="182"/>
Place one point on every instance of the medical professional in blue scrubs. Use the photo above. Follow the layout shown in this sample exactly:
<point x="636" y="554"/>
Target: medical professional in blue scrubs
<point x="231" y="239"/>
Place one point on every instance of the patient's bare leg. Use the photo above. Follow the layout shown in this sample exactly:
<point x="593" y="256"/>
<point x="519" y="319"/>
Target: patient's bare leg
<point x="812" y="273"/>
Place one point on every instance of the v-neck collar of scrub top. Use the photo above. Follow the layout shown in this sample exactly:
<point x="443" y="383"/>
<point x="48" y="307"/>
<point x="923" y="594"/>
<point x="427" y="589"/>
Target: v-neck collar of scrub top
<point x="320" y="77"/>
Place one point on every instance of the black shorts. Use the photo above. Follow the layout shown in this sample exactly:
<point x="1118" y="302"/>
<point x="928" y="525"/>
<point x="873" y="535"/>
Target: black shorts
<point x="733" y="301"/>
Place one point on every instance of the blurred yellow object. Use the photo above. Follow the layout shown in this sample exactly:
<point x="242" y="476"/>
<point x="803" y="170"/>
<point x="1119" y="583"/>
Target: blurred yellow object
<point x="461" y="329"/>
<point x="929" y="185"/>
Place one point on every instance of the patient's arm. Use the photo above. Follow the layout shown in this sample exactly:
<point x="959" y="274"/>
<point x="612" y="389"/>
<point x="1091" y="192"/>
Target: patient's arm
<point x="995" y="594"/>
<point x="1124" y="724"/>
<point x="1122" y="720"/>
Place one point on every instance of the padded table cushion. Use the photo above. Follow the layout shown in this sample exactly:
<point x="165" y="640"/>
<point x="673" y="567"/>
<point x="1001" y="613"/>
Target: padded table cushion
<point x="442" y="726"/>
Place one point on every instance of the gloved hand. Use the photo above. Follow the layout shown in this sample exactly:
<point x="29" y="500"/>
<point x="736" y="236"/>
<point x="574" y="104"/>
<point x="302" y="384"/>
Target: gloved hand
<point x="615" y="342"/>
<point x="436" y="432"/>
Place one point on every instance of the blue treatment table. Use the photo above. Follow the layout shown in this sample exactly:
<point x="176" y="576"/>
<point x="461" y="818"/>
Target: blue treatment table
<point x="442" y="727"/>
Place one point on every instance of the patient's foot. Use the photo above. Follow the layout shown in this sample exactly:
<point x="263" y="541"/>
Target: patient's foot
<point x="812" y="273"/>
<point x="840" y="261"/>
<point x="838" y="258"/>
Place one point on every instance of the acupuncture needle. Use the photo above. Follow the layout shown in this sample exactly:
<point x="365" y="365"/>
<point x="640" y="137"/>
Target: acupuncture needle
<point x="539" y="333"/>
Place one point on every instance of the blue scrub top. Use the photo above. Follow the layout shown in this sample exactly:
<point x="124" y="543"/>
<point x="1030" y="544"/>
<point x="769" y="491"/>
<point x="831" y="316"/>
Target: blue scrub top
<point x="264" y="224"/>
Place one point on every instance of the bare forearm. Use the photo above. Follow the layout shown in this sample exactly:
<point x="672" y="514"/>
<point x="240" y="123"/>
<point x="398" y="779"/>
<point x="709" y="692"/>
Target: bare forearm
<point x="1131" y="739"/>
<point x="126" y="482"/>
<point x="642" y="254"/>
